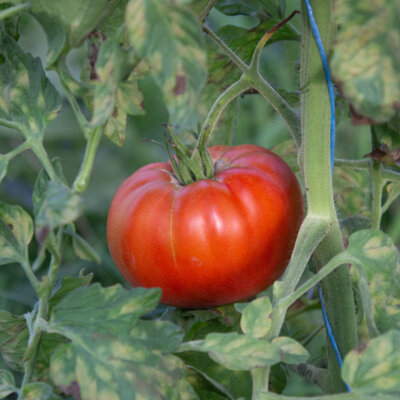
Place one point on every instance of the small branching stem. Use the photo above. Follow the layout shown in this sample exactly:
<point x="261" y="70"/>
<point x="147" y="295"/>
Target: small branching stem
<point x="18" y="150"/>
<point x="225" y="48"/>
<point x="252" y="76"/>
<point x="30" y="274"/>
<point x="82" y="180"/>
<point x="41" y="154"/>
<point x="44" y="291"/>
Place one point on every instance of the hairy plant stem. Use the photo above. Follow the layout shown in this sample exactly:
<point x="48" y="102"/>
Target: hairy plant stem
<point x="82" y="180"/>
<point x="225" y="48"/>
<point x="337" y="289"/>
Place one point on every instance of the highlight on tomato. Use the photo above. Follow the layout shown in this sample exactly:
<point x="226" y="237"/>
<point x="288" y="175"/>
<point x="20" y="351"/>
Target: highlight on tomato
<point x="207" y="240"/>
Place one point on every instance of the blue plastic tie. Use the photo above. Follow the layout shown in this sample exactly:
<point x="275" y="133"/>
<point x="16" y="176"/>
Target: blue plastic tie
<point x="328" y="78"/>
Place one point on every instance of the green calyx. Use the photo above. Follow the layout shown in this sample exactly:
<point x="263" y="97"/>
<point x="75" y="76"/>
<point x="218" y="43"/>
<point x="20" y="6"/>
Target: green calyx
<point x="188" y="169"/>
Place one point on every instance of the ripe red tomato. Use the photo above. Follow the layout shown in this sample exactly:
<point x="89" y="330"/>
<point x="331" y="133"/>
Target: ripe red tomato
<point x="214" y="241"/>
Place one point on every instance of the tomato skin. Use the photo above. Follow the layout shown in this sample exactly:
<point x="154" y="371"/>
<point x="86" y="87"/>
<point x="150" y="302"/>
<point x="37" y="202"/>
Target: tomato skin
<point x="212" y="242"/>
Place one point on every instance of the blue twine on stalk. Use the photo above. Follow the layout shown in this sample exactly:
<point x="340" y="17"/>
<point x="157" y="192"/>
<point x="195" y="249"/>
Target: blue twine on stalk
<point x="328" y="78"/>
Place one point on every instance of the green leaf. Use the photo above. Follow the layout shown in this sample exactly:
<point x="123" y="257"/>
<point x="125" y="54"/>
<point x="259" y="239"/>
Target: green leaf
<point x="243" y="41"/>
<point x="3" y="166"/>
<point x="258" y="8"/>
<point x="374" y="368"/>
<point x="129" y="97"/>
<point x="169" y="37"/>
<point x="353" y="193"/>
<point x="162" y="336"/>
<point x="16" y="231"/>
<point x="204" y="383"/>
<point x="277" y="378"/>
<point x="7" y="384"/>
<point x="54" y="204"/>
<point x="38" y="391"/>
<point x="79" y="19"/>
<point x="379" y="270"/>
<point x="110" y="66"/>
<point x="115" y="128"/>
<point x="208" y="376"/>
<point x="256" y="317"/>
<point x="81" y="247"/>
<point x="236" y="352"/>
<point x="55" y="34"/>
<point x="113" y="354"/>
<point x="29" y="101"/>
<point x="95" y="310"/>
<point x="112" y="24"/>
<point x="119" y="370"/>
<point x="365" y="60"/>
<point x="13" y="339"/>
<point x="116" y="90"/>
<point x="292" y="352"/>
<point x="68" y="284"/>
<point x="375" y="250"/>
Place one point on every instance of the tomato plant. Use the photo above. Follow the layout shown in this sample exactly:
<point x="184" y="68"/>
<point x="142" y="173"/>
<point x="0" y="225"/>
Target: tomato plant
<point x="214" y="241"/>
<point x="84" y="85"/>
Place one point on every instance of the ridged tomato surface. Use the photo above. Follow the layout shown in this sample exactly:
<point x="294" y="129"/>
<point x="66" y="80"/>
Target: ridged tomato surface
<point x="212" y="242"/>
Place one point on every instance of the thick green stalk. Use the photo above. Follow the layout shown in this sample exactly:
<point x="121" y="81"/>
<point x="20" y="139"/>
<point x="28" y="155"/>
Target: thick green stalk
<point x="337" y="289"/>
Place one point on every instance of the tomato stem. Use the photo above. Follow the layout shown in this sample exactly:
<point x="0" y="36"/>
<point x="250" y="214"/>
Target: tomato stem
<point x="82" y="180"/>
<point x="216" y="110"/>
<point x="255" y="61"/>
<point x="225" y="48"/>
